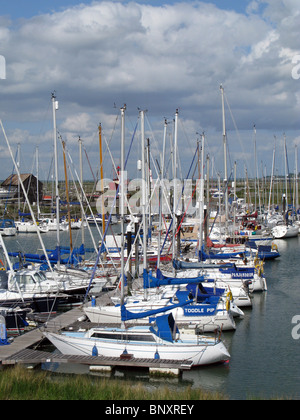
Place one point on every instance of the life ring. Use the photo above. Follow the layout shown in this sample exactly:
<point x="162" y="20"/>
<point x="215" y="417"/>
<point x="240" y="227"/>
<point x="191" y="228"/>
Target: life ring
<point x="274" y="247"/>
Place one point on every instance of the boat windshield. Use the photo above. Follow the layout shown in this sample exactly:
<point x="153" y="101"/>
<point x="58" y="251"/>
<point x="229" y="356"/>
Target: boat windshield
<point x="40" y="276"/>
<point x="126" y="336"/>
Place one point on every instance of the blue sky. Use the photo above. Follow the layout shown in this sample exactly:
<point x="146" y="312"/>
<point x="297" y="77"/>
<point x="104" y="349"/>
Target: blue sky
<point x="29" y="8"/>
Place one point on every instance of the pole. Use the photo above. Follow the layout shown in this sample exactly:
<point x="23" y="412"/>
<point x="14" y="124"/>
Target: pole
<point x="122" y="199"/>
<point x="54" y="109"/>
<point x="67" y="196"/>
<point x="101" y="177"/>
<point x="225" y="159"/>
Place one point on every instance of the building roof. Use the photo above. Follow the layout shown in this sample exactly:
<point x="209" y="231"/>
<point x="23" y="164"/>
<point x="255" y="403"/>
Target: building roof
<point x="13" y="180"/>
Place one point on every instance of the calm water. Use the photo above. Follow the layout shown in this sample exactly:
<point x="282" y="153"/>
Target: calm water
<point x="265" y="359"/>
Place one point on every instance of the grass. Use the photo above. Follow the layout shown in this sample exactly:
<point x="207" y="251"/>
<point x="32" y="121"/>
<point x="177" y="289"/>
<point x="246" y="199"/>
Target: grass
<point x="19" y="383"/>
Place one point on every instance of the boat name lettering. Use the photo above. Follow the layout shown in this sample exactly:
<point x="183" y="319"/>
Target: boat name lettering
<point x="194" y="310"/>
<point x="242" y="275"/>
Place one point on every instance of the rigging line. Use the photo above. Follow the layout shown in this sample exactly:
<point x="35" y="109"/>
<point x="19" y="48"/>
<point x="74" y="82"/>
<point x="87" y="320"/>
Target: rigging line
<point x="89" y="163"/>
<point x="238" y="135"/>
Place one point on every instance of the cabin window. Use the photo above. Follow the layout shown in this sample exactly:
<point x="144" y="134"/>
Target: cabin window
<point x="25" y="279"/>
<point x="123" y="337"/>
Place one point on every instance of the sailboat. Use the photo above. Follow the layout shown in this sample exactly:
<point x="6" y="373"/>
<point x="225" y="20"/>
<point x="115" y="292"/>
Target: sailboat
<point x="161" y="340"/>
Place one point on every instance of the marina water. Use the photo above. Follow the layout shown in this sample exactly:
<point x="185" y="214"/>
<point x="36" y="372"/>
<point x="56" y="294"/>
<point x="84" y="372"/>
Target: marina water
<point x="265" y="354"/>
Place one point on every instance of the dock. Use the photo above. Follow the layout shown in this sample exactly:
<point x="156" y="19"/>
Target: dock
<point x="35" y="336"/>
<point x="24" y="350"/>
<point x="56" y="324"/>
<point x="99" y="363"/>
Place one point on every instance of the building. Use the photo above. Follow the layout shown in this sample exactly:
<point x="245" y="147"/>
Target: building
<point x="31" y="185"/>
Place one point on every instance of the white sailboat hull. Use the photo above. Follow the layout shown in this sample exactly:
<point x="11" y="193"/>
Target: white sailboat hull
<point x="209" y="352"/>
<point x="112" y="315"/>
<point x="283" y="231"/>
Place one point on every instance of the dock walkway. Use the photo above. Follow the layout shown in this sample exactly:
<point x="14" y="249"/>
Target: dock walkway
<point x="34" y="337"/>
<point x="36" y="357"/>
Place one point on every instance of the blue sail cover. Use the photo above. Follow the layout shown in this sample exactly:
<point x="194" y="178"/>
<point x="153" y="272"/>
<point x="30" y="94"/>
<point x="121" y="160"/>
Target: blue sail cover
<point x="165" y="327"/>
<point x="178" y="265"/>
<point x="127" y="315"/>
<point x="161" y="280"/>
<point x="53" y="256"/>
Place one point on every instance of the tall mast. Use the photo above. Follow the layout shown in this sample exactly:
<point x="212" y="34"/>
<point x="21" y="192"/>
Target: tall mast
<point x="81" y="190"/>
<point x="225" y="159"/>
<point x="272" y="176"/>
<point x="256" y="177"/>
<point x="37" y="184"/>
<point x="144" y="200"/>
<point x="296" y="182"/>
<point x="19" y="189"/>
<point x="175" y="186"/>
<point x="67" y="196"/>
<point x="162" y="165"/>
<point x="201" y="200"/>
<point x="101" y="177"/>
<point x="286" y="174"/>
<point x="122" y="198"/>
<point x="54" y="109"/>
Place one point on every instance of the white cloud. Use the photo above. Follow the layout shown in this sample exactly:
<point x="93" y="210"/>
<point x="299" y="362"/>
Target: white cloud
<point x="159" y="58"/>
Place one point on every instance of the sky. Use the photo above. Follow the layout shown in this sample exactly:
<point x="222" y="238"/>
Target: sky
<point x="158" y="56"/>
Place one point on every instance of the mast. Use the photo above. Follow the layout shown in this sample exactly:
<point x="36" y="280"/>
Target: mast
<point x="37" y="184"/>
<point x="19" y="190"/>
<point x="272" y="177"/>
<point x="296" y="182"/>
<point x="144" y="201"/>
<point x="286" y="175"/>
<point x="101" y="177"/>
<point x="201" y="201"/>
<point x="67" y="196"/>
<point x="175" y="187"/>
<point x="162" y="165"/>
<point x="81" y="193"/>
<point x="225" y="159"/>
<point x="122" y="199"/>
<point x="54" y="109"/>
